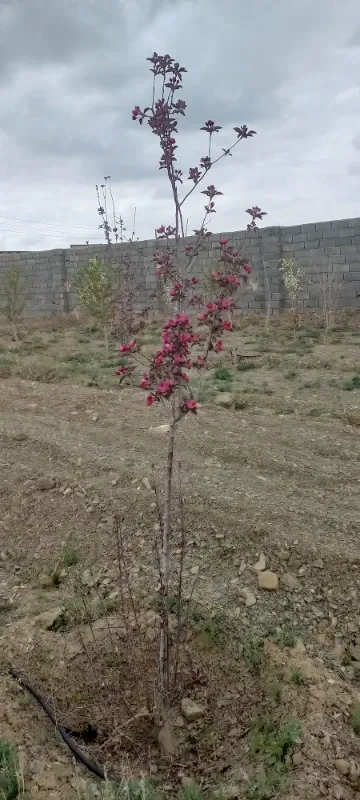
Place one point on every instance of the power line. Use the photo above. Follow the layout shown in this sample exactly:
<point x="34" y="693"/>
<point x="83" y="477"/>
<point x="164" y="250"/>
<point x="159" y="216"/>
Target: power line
<point x="50" y="224"/>
<point x="54" y="235"/>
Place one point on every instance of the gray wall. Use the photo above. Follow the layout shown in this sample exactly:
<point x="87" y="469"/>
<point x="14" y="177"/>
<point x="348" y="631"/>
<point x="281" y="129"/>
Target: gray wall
<point x="323" y="247"/>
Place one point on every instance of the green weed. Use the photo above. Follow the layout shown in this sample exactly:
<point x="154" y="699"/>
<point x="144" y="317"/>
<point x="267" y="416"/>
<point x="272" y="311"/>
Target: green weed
<point x="10" y="781"/>
<point x="222" y="374"/>
<point x="354" y="383"/>
<point x="297" y="677"/>
<point x="246" y="366"/>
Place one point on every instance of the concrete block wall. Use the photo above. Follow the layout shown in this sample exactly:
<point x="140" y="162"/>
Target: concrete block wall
<point x="321" y="249"/>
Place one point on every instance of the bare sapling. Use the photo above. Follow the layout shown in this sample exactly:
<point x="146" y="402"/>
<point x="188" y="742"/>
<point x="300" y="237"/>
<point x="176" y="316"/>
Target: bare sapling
<point x="293" y="276"/>
<point x="124" y="263"/>
<point x="326" y="283"/>
<point x="95" y="288"/>
<point x="13" y="297"/>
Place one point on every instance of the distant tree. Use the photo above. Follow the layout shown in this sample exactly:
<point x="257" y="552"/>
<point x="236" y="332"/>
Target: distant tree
<point x="94" y="285"/>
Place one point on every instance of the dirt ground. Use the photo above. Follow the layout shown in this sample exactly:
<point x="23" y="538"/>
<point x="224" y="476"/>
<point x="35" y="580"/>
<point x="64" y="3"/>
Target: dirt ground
<point x="276" y="473"/>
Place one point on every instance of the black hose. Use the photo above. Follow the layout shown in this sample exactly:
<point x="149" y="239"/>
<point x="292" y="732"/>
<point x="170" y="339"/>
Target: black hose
<point x="95" y="768"/>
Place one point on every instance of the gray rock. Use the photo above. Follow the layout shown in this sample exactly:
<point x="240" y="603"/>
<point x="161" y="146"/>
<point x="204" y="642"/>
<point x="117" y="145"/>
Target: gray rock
<point x="50" y="620"/>
<point x="261" y="563"/>
<point x="190" y="710"/>
<point x="248" y="596"/>
<point x="45" y="484"/>
<point x="342" y="766"/>
<point x="289" y="581"/>
<point x="268" y="580"/>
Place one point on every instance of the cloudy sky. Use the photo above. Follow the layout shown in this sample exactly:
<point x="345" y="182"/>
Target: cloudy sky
<point x="72" y="70"/>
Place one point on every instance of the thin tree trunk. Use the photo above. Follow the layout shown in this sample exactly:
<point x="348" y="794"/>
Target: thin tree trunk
<point x="15" y="335"/>
<point x="164" y="666"/>
<point x="106" y="340"/>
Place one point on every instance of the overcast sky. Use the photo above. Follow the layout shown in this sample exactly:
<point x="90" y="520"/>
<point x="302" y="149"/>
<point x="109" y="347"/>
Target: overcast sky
<point x="72" y="70"/>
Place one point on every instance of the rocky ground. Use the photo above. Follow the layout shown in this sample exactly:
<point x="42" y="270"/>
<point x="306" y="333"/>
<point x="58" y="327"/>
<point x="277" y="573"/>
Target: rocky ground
<point x="272" y="657"/>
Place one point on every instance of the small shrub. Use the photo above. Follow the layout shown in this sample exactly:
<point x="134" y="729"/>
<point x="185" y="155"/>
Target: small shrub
<point x="266" y="786"/>
<point x="13" y="296"/>
<point x="297" y="677"/>
<point x="354" y="383"/>
<point x="274" y="743"/>
<point x="94" y="284"/>
<point x="222" y="374"/>
<point x="10" y="782"/>
<point x="70" y="558"/>
<point x="241" y="403"/>
<point x="245" y="366"/>
<point x="253" y="653"/>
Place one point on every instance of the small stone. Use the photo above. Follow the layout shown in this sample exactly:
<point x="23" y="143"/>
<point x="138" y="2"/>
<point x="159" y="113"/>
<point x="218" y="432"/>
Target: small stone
<point x="160" y="429"/>
<point x="68" y="490"/>
<point x="224" y="399"/>
<point x="342" y="766"/>
<point x="355" y="652"/>
<point x="45" y="484"/>
<point x="319" y="564"/>
<point x="302" y="570"/>
<point x="289" y="581"/>
<point x="95" y="417"/>
<point x="145" y="482"/>
<point x="20" y="436"/>
<point x="297" y="759"/>
<point x="242" y="567"/>
<point x="261" y="563"/>
<point x="49" y="619"/>
<point x="248" y="596"/>
<point x="194" y="570"/>
<point x="268" y="580"/>
<point x="114" y="482"/>
<point x="190" y="710"/>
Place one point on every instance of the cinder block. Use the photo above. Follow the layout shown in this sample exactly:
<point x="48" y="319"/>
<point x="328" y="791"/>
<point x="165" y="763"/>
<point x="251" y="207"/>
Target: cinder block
<point x="291" y="229"/>
<point x="348" y="249"/>
<point x="344" y="233"/>
<point x="309" y="227"/>
<point x="286" y="238"/>
<point x="352" y="276"/>
<point x="323" y="226"/>
<point x="299" y="237"/>
<point x="332" y="251"/>
<point x="354" y="222"/>
<point x="354" y="266"/>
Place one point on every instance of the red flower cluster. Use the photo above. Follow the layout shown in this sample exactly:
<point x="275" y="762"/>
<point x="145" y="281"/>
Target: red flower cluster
<point x="132" y="347"/>
<point x="166" y="373"/>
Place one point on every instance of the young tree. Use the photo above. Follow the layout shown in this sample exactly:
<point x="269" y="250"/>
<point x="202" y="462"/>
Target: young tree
<point x="94" y="285"/>
<point x="13" y="296"/>
<point x="166" y="379"/>
<point x="292" y="275"/>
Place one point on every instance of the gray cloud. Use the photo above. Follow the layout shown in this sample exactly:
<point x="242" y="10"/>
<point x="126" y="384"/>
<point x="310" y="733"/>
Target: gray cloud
<point x="71" y="71"/>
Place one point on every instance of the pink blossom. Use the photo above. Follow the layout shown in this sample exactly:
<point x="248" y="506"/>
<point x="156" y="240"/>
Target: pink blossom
<point x="126" y="348"/>
<point x="223" y="242"/>
<point x="150" y="400"/>
<point x="219" y="346"/>
<point x="227" y="325"/>
<point x="190" y="405"/>
<point x="122" y="370"/>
